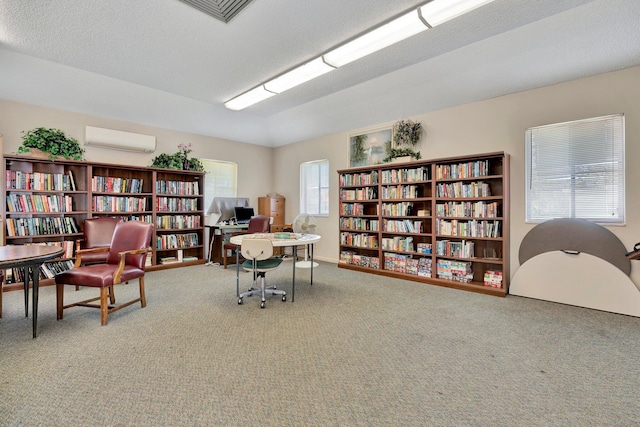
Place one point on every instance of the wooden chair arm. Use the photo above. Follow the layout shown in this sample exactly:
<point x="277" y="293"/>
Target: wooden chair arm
<point x="79" y="253"/>
<point x="121" y="258"/>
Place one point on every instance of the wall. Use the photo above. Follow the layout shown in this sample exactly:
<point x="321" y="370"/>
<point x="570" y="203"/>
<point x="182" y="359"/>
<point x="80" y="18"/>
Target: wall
<point x="496" y="124"/>
<point x="16" y="117"/>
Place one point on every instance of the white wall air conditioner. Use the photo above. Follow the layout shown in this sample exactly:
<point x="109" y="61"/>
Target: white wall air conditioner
<point x="119" y="140"/>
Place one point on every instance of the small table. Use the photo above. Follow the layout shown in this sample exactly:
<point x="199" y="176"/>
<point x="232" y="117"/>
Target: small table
<point x="29" y="257"/>
<point x="298" y="240"/>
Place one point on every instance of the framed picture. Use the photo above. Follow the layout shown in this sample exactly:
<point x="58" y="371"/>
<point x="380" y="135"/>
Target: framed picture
<point x="369" y="148"/>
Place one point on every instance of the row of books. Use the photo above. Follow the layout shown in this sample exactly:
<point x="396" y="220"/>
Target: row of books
<point x="402" y="226"/>
<point x="397" y="243"/>
<point x="119" y="204"/>
<point x="39" y="203"/>
<point x="354" y="223"/>
<point x="393" y="176"/>
<point x="110" y="184"/>
<point x="493" y="278"/>
<point x="349" y="257"/>
<point x="478" y="209"/>
<point x="400" y="192"/>
<point x="48" y="270"/>
<point x="176" y="204"/>
<point x="471" y="228"/>
<point x="407" y="264"/>
<point x="463" y="170"/>
<point x="460" y="189"/>
<point x="397" y="209"/>
<point x="363" y="178"/>
<point x="458" y="271"/>
<point x="176" y="241"/>
<point x="366" y="193"/>
<point x="458" y="249"/>
<point x="178" y="187"/>
<point x="167" y="222"/>
<point x="363" y="240"/>
<point x="40" y="181"/>
<point x="41" y="226"/>
<point x="352" y="209"/>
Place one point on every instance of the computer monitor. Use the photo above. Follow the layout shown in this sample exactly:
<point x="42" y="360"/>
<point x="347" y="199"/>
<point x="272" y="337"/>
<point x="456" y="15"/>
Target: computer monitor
<point x="243" y="214"/>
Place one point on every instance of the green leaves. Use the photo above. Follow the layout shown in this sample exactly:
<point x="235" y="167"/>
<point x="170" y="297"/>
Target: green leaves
<point x="52" y="141"/>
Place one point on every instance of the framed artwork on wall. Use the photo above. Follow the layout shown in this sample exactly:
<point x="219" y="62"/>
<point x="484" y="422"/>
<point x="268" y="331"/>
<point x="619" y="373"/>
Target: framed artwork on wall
<point x="369" y="148"/>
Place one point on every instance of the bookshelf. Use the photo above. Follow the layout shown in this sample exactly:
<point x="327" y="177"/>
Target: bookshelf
<point x="443" y="222"/>
<point x="45" y="202"/>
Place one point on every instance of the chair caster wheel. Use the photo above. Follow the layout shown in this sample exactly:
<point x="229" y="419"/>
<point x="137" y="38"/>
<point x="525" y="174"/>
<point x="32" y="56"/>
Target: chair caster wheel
<point x="262" y="304"/>
<point x="284" y="298"/>
<point x="239" y="301"/>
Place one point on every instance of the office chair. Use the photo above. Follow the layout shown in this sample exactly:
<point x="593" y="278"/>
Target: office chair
<point x="257" y="224"/>
<point x="126" y="257"/>
<point x="259" y="260"/>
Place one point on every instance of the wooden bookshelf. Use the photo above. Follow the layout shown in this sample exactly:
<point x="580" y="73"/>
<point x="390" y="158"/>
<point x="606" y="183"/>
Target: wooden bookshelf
<point x="46" y="202"/>
<point x="443" y="222"/>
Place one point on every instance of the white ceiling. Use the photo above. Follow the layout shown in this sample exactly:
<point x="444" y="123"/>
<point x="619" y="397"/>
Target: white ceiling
<point x="165" y="64"/>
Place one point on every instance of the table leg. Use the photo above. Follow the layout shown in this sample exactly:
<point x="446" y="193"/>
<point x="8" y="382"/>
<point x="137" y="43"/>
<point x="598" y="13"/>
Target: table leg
<point x="25" y="281"/>
<point x="311" y="257"/>
<point x="35" y="272"/>
<point x="293" y="286"/>
<point x="237" y="271"/>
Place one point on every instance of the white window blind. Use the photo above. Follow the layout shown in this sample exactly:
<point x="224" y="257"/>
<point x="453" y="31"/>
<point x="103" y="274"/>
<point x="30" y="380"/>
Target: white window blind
<point x="314" y="188"/>
<point x="220" y="179"/>
<point x="576" y="170"/>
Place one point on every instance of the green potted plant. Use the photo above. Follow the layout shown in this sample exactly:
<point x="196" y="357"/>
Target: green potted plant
<point x="406" y="134"/>
<point x="179" y="160"/>
<point x="51" y="141"/>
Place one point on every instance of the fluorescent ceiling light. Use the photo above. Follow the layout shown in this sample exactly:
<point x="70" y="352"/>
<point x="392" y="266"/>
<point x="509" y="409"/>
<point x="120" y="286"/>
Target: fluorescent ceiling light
<point x="431" y="14"/>
<point x="297" y="76"/>
<point x="249" y="98"/>
<point x="438" y="11"/>
<point x="379" y="38"/>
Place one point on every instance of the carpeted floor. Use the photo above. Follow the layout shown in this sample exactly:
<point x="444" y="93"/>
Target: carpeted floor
<point x="352" y="350"/>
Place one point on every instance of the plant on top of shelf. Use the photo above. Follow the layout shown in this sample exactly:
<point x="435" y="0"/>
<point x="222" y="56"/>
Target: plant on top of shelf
<point x="52" y="141"/>
<point x="179" y="160"/>
<point x="406" y="134"/>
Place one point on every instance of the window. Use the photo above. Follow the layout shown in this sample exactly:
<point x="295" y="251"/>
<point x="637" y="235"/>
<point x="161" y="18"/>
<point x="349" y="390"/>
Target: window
<point x="220" y="180"/>
<point x="576" y="170"/>
<point x="314" y="188"/>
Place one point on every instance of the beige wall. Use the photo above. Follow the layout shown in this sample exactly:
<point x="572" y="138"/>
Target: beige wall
<point x="493" y="125"/>
<point x="254" y="162"/>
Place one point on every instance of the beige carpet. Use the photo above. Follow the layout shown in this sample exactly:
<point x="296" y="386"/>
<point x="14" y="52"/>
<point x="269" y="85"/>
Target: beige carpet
<point x="352" y="350"/>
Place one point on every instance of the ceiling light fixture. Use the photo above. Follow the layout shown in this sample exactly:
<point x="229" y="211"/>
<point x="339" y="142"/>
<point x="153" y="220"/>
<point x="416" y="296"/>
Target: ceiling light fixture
<point x="424" y="17"/>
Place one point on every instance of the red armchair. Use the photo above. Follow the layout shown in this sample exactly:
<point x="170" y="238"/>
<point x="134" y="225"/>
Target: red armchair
<point x="257" y="224"/>
<point x="97" y="233"/>
<point x="125" y="261"/>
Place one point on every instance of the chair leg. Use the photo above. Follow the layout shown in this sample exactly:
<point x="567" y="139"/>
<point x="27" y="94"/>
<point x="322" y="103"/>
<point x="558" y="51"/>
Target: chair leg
<point x="104" y="306"/>
<point x="143" y="298"/>
<point x="224" y="257"/>
<point x="112" y="295"/>
<point x="59" y="301"/>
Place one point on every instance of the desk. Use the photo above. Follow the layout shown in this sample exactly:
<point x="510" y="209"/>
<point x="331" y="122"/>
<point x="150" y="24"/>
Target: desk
<point x="300" y="240"/>
<point x="30" y="258"/>
<point x="218" y="236"/>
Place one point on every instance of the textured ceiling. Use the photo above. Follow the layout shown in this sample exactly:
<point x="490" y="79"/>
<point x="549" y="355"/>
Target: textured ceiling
<point x="166" y="64"/>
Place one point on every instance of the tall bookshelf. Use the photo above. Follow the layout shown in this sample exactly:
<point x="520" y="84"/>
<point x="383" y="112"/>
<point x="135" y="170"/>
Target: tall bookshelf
<point x="443" y="222"/>
<point x="46" y="202"/>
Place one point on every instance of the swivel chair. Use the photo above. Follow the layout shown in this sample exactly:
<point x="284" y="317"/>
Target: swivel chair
<point x="257" y="224"/>
<point x="259" y="260"/>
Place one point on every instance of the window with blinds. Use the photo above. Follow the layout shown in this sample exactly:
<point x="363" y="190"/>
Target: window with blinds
<point x="220" y="180"/>
<point x="576" y="170"/>
<point x="314" y="188"/>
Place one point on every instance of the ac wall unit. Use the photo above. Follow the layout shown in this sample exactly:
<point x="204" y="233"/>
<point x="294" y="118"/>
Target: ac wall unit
<point x="119" y="140"/>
